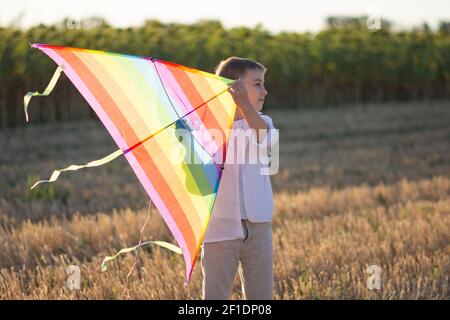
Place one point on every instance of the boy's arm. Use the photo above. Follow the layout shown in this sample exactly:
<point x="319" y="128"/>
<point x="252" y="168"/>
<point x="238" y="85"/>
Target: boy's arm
<point x="254" y="119"/>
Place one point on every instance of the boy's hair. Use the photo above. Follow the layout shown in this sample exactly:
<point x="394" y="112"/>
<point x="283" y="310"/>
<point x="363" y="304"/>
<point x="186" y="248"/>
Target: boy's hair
<point x="235" y="67"/>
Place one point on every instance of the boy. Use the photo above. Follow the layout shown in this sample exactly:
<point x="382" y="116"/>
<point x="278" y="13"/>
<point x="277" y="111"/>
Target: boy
<point x="240" y="229"/>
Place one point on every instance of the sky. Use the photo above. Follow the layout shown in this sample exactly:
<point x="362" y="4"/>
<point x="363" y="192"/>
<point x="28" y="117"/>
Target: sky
<point x="276" y="16"/>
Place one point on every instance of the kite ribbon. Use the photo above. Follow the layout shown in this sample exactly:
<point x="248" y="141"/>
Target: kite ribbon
<point x="47" y="91"/>
<point x="73" y="167"/>
<point x="108" y="158"/>
<point x="163" y="244"/>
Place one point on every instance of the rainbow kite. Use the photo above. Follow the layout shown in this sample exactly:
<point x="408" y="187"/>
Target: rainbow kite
<point x="172" y="124"/>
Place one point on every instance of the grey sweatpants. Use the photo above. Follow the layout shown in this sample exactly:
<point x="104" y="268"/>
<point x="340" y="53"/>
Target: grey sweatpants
<point x="253" y="256"/>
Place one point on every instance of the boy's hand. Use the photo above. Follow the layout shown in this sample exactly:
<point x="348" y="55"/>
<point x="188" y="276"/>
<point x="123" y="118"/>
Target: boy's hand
<point x="255" y="121"/>
<point x="239" y="93"/>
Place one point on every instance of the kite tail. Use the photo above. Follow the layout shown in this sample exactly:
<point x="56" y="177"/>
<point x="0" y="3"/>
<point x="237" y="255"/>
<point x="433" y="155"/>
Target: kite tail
<point x="47" y="91"/>
<point x="163" y="244"/>
<point x="73" y="167"/>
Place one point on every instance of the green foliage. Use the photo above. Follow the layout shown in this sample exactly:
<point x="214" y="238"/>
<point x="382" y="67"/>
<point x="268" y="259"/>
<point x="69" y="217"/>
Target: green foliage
<point x="344" y="63"/>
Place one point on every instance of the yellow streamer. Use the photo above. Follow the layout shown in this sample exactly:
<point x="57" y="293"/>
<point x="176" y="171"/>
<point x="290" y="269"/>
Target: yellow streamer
<point x="47" y="91"/>
<point x="94" y="163"/>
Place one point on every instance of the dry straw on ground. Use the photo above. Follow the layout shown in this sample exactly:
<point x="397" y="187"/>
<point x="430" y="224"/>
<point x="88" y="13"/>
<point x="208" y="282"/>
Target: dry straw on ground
<point x="357" y="187"/>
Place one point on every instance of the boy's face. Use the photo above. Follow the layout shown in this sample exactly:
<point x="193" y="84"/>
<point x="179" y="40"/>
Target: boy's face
<point x="254" y="83"/>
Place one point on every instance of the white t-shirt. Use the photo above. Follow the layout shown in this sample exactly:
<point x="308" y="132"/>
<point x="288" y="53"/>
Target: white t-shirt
<point x="243" y="192"/>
